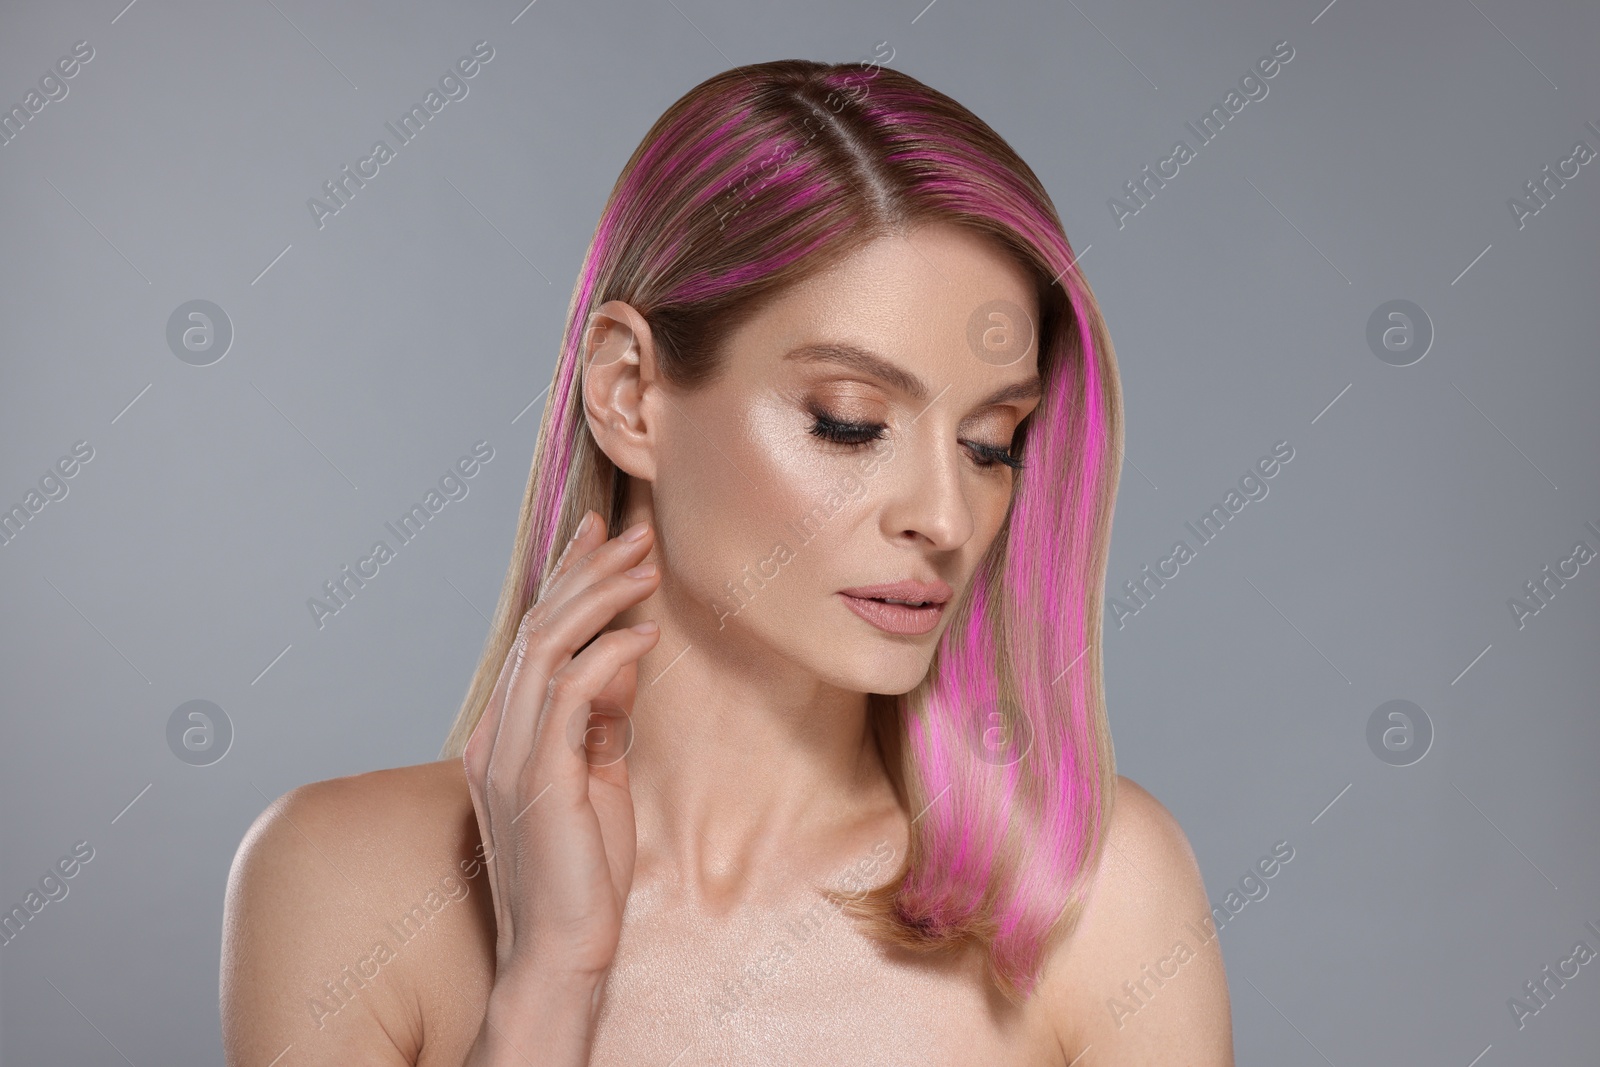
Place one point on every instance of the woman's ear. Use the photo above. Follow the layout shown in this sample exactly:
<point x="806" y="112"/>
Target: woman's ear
<point x="620" y="376"/>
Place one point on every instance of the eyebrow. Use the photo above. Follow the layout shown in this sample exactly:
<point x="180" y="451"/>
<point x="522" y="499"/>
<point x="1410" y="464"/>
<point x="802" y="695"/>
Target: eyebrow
<point x="867" y="362"/>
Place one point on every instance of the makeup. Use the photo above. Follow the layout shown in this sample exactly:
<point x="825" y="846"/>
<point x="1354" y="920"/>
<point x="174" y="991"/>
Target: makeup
<point x="877" y="604"/>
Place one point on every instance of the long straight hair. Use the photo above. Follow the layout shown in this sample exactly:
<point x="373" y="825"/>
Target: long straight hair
<point x="755" y="179"/>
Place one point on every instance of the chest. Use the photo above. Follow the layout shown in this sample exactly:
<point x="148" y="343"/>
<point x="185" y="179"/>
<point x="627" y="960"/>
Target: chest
<point x="800" y="985"/>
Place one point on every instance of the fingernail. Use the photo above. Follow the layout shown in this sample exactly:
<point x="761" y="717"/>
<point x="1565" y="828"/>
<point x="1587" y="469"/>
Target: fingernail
<point x="635" y="532"/>
<point x="643" y="570"/>
<point x="583" y="525"/>
<point x="643" y="628"/>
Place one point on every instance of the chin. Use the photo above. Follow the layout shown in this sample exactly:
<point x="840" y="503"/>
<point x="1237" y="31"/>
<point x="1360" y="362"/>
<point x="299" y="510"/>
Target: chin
<point x="854" y="658"/>
<point x="872" y="662"/>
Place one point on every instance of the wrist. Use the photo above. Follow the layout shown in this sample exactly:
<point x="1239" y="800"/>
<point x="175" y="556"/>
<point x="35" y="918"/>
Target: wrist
<point x="532" y="1007"/>
<point x="538" y="989"/>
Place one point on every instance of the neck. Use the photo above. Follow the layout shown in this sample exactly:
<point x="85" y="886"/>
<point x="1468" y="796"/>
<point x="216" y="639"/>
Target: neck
<point x="748" y="773"/>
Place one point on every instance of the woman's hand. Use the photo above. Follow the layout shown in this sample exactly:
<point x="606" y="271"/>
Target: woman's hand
<point x="545" y="770"/>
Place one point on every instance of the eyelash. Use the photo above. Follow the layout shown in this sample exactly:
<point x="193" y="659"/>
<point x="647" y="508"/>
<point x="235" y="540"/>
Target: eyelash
<point x="859" y="433"/>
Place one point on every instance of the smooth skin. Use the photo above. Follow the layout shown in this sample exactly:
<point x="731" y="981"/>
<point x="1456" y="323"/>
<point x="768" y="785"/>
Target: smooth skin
<point x="655" y="808"/>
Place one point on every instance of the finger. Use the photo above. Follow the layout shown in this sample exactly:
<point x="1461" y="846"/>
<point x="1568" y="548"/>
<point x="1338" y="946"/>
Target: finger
<point x="557" y="760"/>
<point x="476" y="758"/>
<point x="580" y="543"/>
<point x="486" y="736"/>
<point x="588" y="562"/>
<point x="549" y="651"/>
<point x="516" y="704"/>
<point x="610" y="736"/>
<point x="584" y="720"/>
<point x="504" y="736"/>
<point x="481" y="741"/>
<point x="568" y="626"/>
<point x="537" y="651"/>
<point x="582" y="567"/>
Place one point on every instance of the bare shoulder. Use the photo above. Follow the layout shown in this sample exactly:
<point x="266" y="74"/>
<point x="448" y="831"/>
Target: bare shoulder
<point x="348" y="899"/>
<point x="1140" y="980"/>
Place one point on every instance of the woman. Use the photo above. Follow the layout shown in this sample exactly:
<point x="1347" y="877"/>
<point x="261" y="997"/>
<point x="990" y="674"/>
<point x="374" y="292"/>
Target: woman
<point x="788" y="744"/>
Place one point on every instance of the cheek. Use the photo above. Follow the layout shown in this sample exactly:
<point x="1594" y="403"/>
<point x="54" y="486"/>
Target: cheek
<point x="798" y="474"/>
<point x="743" y="494"/>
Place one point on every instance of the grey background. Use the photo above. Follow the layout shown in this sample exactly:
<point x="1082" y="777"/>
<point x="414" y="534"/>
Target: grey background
<point x="425" y="316"/>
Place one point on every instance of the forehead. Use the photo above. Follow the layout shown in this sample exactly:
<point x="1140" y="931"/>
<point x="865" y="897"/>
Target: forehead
<point x="915" y="296"/>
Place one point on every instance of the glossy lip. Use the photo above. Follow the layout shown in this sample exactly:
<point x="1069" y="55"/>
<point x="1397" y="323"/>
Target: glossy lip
<point x="899" y="619"/>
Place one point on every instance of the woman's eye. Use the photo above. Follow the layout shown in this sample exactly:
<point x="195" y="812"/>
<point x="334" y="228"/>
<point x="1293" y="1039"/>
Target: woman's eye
<point x="990" y="456"/>
<point x="845" y="433"/>
<point x="841" y="432"/>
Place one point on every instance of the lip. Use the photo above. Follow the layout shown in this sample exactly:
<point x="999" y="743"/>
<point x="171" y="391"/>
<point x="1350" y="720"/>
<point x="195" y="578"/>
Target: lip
<point x="899" y="619"/>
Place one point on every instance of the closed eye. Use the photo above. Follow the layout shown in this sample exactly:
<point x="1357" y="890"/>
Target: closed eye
<point x="846" y="433"/>
<point x="990" y="455"/>
<point x="859" y="433"/>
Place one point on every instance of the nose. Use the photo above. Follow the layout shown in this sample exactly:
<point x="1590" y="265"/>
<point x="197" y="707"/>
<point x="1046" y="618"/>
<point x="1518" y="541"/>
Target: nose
<point x="929" y="502"/>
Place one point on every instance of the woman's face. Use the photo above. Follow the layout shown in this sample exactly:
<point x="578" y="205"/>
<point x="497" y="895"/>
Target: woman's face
<point x="856" y="439"/>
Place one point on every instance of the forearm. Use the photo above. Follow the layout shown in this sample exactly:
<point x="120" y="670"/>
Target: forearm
<point x="538" y="1020"/>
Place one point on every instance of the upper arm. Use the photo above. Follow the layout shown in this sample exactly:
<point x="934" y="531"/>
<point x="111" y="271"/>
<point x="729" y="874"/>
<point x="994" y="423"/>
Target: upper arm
<point x="1140" y="980"/>
<point x="298" y="970"/>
